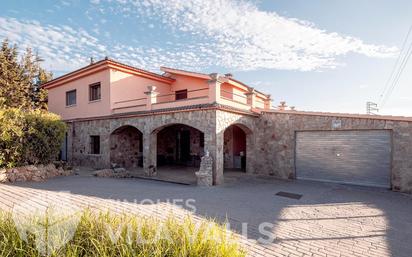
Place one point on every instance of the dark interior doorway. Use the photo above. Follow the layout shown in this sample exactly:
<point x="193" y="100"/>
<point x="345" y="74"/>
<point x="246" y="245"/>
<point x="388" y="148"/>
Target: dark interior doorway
<point x="179" y="144"/>
<point x="183" y="154"/>
<point x="235" y="149"/>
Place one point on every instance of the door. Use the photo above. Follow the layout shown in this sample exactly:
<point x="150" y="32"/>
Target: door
<point x="361" y="157"/>
<point x="183" y="147"/>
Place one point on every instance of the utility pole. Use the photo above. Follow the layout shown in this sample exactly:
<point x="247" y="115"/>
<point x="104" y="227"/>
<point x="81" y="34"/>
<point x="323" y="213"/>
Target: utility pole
<point x="371" y="108"/>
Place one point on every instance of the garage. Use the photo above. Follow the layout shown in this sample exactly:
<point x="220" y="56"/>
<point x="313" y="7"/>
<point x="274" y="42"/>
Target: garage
<point x="360" y="157"/>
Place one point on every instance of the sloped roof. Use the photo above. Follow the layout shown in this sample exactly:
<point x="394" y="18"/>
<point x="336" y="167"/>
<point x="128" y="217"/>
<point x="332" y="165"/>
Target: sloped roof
<point x="206" y="76"/>
<point x="101" y="65"/>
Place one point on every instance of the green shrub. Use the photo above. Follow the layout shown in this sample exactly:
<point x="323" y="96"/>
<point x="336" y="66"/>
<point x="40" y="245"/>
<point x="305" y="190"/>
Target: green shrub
<point x="29" y="137"/>
<point x="93" y="238"/>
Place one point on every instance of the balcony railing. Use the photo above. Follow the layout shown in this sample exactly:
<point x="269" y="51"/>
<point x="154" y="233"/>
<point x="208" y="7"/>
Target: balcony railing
<point x="201" y="93"/>
<point x="193" y="97"/>
<point x="128" y="104"/>
<point x="156" y="101"/>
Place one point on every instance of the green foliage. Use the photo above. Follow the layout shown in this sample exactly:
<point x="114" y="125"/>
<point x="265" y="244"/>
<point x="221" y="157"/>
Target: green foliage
<point x="20" y="80"/>
<point x="139" y="236"/>
<point x="29" y="137"/>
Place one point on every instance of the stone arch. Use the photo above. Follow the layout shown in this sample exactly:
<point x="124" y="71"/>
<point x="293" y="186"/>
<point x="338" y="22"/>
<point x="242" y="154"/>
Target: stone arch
<point x="120" y="123"/>
<point x="126" y="147"/>
<point x="242" y="126"/>
<point x="238" y="147"/>
<point x="163" y="126"/>
<point x="178" y="144"/>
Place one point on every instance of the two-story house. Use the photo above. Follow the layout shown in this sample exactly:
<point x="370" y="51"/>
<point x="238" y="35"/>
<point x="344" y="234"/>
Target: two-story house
<point x="129" y="117"/>
<point x="120" y="115"/>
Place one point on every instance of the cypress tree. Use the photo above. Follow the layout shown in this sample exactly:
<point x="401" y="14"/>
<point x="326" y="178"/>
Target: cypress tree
<point x="20" y="81"/>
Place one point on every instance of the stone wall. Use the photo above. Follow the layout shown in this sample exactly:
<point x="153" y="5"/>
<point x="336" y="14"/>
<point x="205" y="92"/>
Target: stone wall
<point x="79" y="143"/>
<point x="270" y="139"/>
<point x="245" y="122"/>
<point x="211" y="122"/>
<point x="35" y="173"/>
<point x="275" y="135"/>
<point x="125" y="147"/>
<point x="149" y="125"/>
<point x="228" y="148"/>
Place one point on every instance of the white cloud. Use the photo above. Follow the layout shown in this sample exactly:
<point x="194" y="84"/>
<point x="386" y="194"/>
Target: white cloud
<point x="65" y="48"/>
<point x="246" y="38"/>
<point x="62" y="47"/>
<point x="233" y="34"/>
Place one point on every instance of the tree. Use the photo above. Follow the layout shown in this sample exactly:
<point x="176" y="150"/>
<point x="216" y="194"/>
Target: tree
<point x="20" y="80"/>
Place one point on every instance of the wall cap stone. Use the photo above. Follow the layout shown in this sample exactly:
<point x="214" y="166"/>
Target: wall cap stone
<point x="343" y="115"/>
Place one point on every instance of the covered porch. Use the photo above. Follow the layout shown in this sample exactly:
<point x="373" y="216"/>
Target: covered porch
<point x="171" y="147"/>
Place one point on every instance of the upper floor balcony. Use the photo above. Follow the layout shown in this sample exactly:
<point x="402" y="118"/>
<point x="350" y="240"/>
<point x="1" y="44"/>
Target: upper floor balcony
<point x="215" y="93"/>
<point x="108" y="87"/>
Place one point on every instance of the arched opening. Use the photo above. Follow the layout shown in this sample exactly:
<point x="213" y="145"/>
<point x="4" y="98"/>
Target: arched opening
<point x="179" y="150"/>
<point x="126" y="147"/>
<point x="235" y="147"/>
<point x="179" y="145"/>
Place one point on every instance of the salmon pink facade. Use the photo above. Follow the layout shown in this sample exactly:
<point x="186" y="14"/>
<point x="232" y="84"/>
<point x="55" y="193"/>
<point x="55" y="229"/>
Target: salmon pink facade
<point x="125" y="89"/>
<point x="122" y="116"/>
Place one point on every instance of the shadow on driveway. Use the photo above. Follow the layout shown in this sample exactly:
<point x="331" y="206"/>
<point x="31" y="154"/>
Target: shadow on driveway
<point x="329" y="218"/>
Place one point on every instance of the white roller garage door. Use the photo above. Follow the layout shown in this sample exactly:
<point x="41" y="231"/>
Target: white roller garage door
<point x="361" y="157"/>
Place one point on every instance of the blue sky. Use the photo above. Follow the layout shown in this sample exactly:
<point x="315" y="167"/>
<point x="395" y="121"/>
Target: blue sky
<point x="317" y="55"/>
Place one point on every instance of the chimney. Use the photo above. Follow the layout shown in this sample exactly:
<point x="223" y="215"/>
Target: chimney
<point x="91" y="60"/>
<point x="229" y="75"/>
<point x="282" y="106"/>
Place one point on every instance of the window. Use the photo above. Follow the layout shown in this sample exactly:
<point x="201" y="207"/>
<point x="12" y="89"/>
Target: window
<point x="95" y="144"/>
<point x="71" y="98"/>
<point x="94" y="92"/>
<point x="181" y="94"/>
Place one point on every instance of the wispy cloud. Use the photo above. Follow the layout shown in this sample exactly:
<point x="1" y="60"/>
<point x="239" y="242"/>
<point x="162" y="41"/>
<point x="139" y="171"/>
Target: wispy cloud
<point x="232" y="34"/>
<point x="62" y="47"/>
<point x="246" y="38"/>
<point x="65" y="48"/>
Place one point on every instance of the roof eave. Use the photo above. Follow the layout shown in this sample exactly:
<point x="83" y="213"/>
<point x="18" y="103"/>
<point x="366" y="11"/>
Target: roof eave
<point x="185" y="73"/>
<point x="102" y="65"/>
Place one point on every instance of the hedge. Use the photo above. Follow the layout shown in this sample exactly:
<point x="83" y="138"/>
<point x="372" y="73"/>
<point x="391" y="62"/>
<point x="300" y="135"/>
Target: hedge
<point x="29" y="137"/>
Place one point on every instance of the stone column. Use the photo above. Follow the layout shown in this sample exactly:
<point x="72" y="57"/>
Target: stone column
<point x="250" y="153"/>
<point x="149" y="153"/>
<point x="104" y="150"/>
<point x="214" y="145"/>
<point x="219" y="160"/>
<point x="251" y="97"/>
<point x="214" y="88"/>
<point x="268" y="102"/>
<point x="151" y="97"/>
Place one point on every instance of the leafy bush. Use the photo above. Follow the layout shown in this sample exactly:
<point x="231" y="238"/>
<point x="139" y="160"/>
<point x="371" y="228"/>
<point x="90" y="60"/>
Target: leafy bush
<point x="29" y="137"/>
<point x="139" y="236"/>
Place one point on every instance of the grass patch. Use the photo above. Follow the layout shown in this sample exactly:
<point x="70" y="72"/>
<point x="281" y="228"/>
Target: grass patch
<point x="106" y="234"/>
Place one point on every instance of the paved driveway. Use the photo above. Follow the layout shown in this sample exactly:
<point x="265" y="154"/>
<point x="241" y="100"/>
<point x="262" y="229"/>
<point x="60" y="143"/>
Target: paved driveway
<point x="329" y="220"/>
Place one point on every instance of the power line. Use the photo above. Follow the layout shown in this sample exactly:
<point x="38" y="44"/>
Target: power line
<point x="398" y="74"/>
<point x="385" y="88"/>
